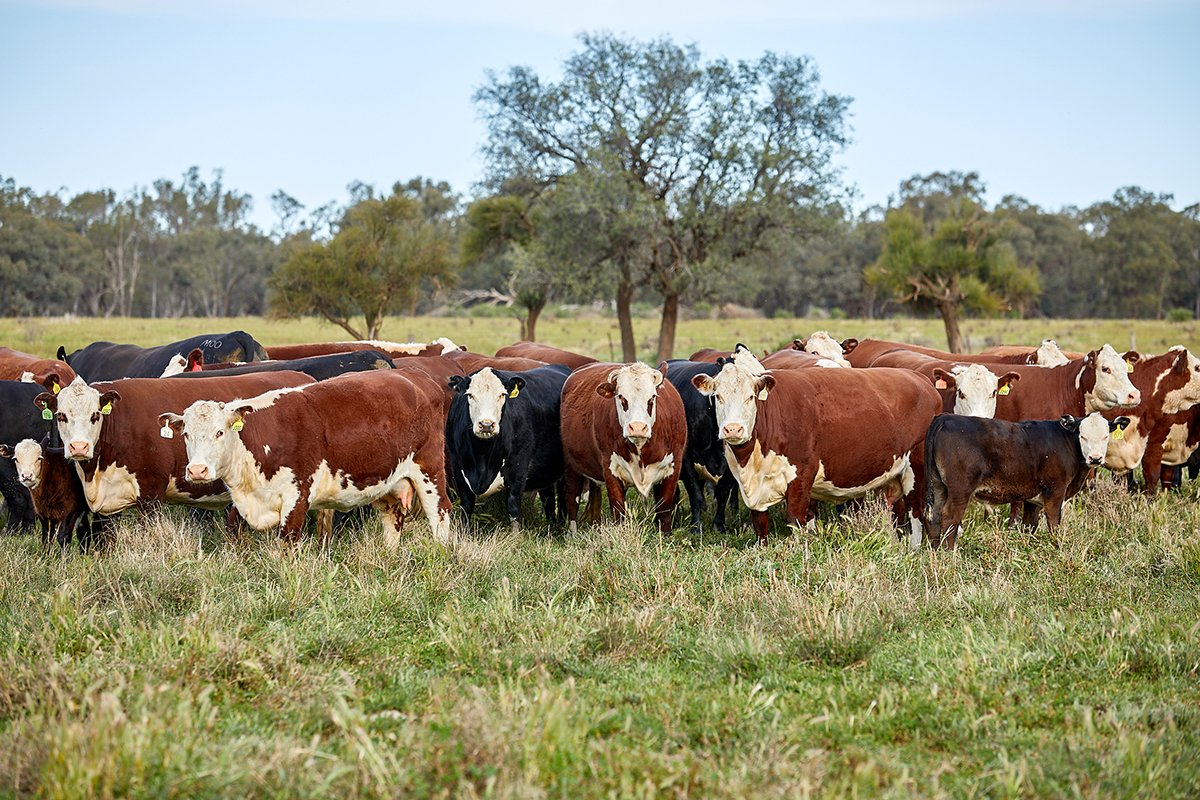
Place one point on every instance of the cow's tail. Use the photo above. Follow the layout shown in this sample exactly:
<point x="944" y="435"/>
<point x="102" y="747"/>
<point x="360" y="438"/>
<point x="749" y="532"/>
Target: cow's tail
<point x="932" y="512"/>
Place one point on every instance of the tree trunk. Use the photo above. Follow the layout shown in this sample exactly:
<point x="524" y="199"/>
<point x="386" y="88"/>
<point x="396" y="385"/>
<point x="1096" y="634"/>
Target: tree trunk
<point x="954" y="339"/>
<point x="666" y="330"/>
<point x="535" y="310"/>
<point x="625" y="320"/>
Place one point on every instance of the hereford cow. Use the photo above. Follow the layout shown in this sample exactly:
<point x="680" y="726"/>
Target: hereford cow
<point x="868" y="350"/>
<point x="1171" y="443"/>
<point x="622" y="425"/>
<point x="829" y="434"/>
<point x="1046" y="354"/>
<point x="967" y="389"/>
<point x="357" y="439"/>
<point x="18" y="366"/>
<point x="824" y="345"/>
<point x="473" y="362"/>
<point x="1169" y="383"/>
<point x="105" y="361"/>
<point x="503" y="433"/>
<point x="1040" y="464"/>
<point x="393" y="350"/>
<point x="110" y="431"/>
<point x="1097" y="382"/>
<point x="54" y="487"/>
<point x="19" y="419"/>
<point x="546" y="353"/>
<point x="704" y="457"/>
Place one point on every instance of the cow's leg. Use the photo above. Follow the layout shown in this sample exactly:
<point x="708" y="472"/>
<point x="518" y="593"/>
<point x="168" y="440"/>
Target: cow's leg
<point x="1151" y="469"/>
<point x="291" y="527"/>
<point x="1029" y="519"/>
<point x="234" y="523"/>
<point x="951" y="515"/>
<point x="664" y="506"/>
<point x="616" y="496"/>
<point x="466" y="504"/>
<point x="514" y="487"/>
<point x="431" y="490"/>
<point x="760" y="521"/>
<point x="723" y="491"/>
<point x="1014" y="511"/>
<point x="695" y="493"/>
<point x="573" y="483"/>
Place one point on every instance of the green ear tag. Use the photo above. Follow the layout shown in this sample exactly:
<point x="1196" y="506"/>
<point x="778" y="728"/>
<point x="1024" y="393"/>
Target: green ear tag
<point x="47" y="413"/>
<point x="237" y="426"/>
<point x="106" y="408"/>
<point x="516" y="391"/>
<point x="1003" y="390"/>
<point x="1119" y="434"/>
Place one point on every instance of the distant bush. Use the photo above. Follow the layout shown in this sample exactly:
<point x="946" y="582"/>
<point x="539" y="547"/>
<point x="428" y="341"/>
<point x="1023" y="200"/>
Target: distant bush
<point x="781" y="313"/>
<point x="1179" y="315"/>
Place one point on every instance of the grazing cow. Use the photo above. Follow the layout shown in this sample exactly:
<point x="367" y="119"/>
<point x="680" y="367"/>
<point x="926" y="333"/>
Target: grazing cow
<point x="473" y="362"/>
<point x="319" y="368"/>
<point x="1170" y="384"/>
<point x="503" y="433"/>
<point x="110" y="431"/>
<point x="393" y="350"/>
<point x="54" y="487"/>
<point x="622" y="425"/>
<point x="967" y="389"/>
<point x="546" y="353"/>
<point x="18" y="366"/>
<point x="704" y="457"/>
<point x="1040" y="463"/>
<point x="1097" y="382"/>
<point x="106" y="361"/>
<point x="19" y="419"/>
<point x="357" y="439"/>
<point x="1046" y="354"/>
<point x="829" y="434"/>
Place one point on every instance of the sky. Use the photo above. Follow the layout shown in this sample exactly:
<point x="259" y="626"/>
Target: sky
<point x="1059" y="101"/>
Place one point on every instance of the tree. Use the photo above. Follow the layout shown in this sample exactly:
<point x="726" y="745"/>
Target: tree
<point x="1132" y="236"/>
<point x="502" y="226"/>
<point x="700" y="161"/>
<point x="377" y="264"/>
<point x="961" y="264"/>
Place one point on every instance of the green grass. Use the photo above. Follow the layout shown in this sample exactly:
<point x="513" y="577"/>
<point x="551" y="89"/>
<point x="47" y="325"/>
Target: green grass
<point x="617" y="663"/>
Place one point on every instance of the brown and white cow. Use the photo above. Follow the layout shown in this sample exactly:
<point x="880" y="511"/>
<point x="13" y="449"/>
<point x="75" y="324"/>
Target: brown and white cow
<point x="546" y="353"/>
<point x="622" y="425"/>
<point x="18" y="366"/>
<point x="824" y="345"/>
<point x="357" y="439"/>
<point x="54" y="486"/>
<point x="1046" y="354"/>
<point x="869" y="349"/>
<point x="1097" y="382"/>
<point x="1171" y="443"/>
<point x="967" y="389"/>
<point x="829" y="434"/>
<point x="473" y="362"/>
<point x="110" y="431"/>
<point x="438" y="347"/>
<point x="1169" y="383"/>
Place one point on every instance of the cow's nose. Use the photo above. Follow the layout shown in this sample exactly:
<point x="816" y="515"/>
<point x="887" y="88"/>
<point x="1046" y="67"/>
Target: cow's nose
<point x="638" y="430"/>
<point x="197" y="472"/>
<point x="1133" y="398"/>
<point x="79" y="449"/>
<point x="1095" y="461"/>
<point x="733" y="430"/>
<point x="487" y="425"/>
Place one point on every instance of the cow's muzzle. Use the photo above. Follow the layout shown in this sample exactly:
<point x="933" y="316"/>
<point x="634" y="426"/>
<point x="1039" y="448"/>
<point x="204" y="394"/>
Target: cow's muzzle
<point x="1095" y="461"/>
<point x="198" y="473"/>
<point x="79" y="451"/>
<point x="637" y="432"/>
<point x="734" y="433"/>
<point x="485" y="428"/>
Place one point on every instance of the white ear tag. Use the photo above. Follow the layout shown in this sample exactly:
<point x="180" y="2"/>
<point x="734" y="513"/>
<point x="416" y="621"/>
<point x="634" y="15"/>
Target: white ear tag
<point x="762" y="395"/>
<point x="166" y="432"/>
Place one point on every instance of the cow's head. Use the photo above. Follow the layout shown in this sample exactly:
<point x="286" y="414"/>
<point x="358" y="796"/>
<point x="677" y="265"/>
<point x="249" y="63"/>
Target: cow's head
<point x="486" y="394"/>
<point x="1048" y="355"/>
<point x="1185" y="368"/>
<point x="744" y="358"/>
<point x="79" y="411"/>
<point x="1113" y="387"/>
<point x="735" y="393"/>
<point x="634" y="388"/>
<point x="29" y="457"/>
<point x="975" y="388"/>
<point x="209" y="431"/>
<point x="822" y="344"/>
<point x="1095" y="432"/>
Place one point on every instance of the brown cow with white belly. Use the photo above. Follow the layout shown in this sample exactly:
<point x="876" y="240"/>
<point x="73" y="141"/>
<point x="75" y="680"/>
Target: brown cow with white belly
<point x="829" y="434"/>
<point x="622" y="425"/>
<point x="357" y="439"/>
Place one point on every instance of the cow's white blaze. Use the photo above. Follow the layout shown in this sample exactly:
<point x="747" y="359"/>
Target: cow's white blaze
<point x="975" y="392"/>
<point x="1094" y="436"/>
<point x="824" y="345"/>
<point x="636" y="398"/>
<point x="641" y="476"/>
<point x="1048" y="355"/>
<point x="27" y="455"/>
<point x="1113" y="387"/>
<point x="1188" y="395"/>
<point x="79" y="419"/>
<point x="734" y="391"/>
<point x="764" y="479"/>
<point x="486" y="397"/>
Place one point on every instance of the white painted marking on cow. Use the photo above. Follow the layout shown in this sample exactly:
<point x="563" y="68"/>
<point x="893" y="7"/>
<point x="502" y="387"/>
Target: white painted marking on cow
<point x="764" y="479"/>
<point x="641" y="477"/>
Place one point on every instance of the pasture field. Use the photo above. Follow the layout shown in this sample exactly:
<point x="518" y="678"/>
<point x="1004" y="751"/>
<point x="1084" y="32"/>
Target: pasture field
<point x="180" y="661"/>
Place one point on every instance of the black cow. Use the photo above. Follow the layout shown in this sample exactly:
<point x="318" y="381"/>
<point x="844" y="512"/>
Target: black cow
<point x="19" y="419"/>
<point x="705" y="451"/>
<point x="1040" y="463"/>
<point x="318" y="367"/>
<point x="106" y="361"/>
<point x="503" y="432"/>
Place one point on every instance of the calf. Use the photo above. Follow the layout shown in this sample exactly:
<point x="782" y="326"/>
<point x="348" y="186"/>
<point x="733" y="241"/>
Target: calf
<point x="1039" y="463"/>
<point x="704" y="457"/>
<point x="622" y="425"/>
<point x="361" y="438"/>
<point x="829" y="434"/>
<point x="19" y="419"/>
<point x="54" y="487"/>
<point x="503" y="432"/>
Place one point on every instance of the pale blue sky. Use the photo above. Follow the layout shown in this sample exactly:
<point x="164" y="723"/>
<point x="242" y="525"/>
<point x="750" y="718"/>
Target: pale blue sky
<point x="1060" y="101"/>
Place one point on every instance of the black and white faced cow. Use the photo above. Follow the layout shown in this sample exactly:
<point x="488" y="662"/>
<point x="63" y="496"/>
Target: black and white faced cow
<point x="1040" y="463"/>
<point x="502" y="432"/>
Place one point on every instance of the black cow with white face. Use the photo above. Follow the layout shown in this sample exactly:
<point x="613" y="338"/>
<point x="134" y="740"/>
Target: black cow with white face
<point x="502" y="432"/>
<point x="107" y="361"/>
<point x="704" y="459"/>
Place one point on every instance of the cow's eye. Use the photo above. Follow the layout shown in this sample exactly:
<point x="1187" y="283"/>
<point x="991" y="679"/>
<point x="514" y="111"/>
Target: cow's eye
<point x="185" y="436"/>
<point x="961" y="395"/>
<point x="1109" y="371"/>
<point x="624" y="403"/>
<point x="95" y="417"/>
<point x="220" y="434"/>
<point x="62" y="417"/>
<point x="650" y="406"/>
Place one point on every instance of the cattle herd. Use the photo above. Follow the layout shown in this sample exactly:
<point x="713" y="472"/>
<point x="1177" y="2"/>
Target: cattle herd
<point x="272" y="433"/>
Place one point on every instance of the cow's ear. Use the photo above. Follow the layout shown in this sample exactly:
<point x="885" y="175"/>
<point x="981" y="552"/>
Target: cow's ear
<point x="52" y="382"/>
<point x="608" y="390"/>
<point x="704" y="384"/>
<point x="6" y="451"/>
<point x="46" y="402"/>
<point x="1120" y="423"/>
<point x="1007" y="380"/>
<point x="1181" y="361"/>
<point x="107" y="399"/>
<point x="459" y="383"/>
<point x="798" y="344"/>
<point x="61" y="355"/>
<point x="722" y="361"/>
<point x="1091" y="358"/>
<point x="195" y="361"/>
<point x="848" y="345"/>
<point x="172" y="421"/>
<point x="45" y="442"/>
<point x="943" y="379"/>
<point x="517" y="385"/>
<point x="237" y="417"/>
<point x="764" y="385"/>
<point x="1070" y="423"/>
<point x="740" y="346"/>
<point x="659" y="374"/>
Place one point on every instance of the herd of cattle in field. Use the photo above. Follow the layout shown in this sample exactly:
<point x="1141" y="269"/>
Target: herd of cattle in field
<point x="280" y="431"/>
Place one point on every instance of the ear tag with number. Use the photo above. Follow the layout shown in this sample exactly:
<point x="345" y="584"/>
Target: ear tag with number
<point x="516" y="391"/>
<point x="47" y="413"/>
<point x="1128" y="366"/>
<point x="55" y="388"/>
<point x="166" y="432"/>
<point x="237" y="426"/>
<point x="762" y="395"/>
<point x="1119" y="433"/>
<point x="939" y="384"/>
<point x="1003" y="390"/>
<point x="106" y="408"/>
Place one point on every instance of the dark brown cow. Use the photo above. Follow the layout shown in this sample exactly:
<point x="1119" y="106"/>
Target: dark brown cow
<point x="357" y="439"/>
<point x="473" y="362"/>
<point x="967" y="389"/>
<point x="54" y="486"/>
<point x="18" y="366"/>
<point x="111" y="432"/>
<point x="393" y="350"/>
<point x="622" y="425"/>
<point x="829" y="434"/>
<point x="1170" y="384"/>
<point x="546" y="353"/>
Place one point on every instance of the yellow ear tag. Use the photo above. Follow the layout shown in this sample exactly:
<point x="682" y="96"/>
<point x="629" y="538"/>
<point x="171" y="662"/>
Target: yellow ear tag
<point x="1003" y="390"/>
<point x="106" y="408"/>
<point x="237" y="426"/>
<point x="939" y="384"/>
<point x="1119" y="433"/>
<point x="166" y="432"/>
<point x="1128" y="367"/>
<point x="516" y="391"/>
<point x="55" y="388"/>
